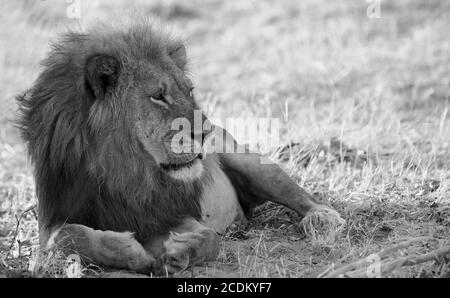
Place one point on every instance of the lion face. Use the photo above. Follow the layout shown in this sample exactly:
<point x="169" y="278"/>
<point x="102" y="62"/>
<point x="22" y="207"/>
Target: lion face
<point x="162" y="96"/>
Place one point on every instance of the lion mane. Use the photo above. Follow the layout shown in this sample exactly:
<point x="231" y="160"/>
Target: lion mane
<point x="88" y="169"/>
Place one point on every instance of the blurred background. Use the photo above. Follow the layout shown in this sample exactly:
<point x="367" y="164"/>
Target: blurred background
<point x="328" y="62"/>
<point x="374" y="74"/>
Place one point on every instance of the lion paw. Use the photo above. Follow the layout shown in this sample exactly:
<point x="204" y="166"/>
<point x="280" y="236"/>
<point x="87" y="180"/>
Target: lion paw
<point x="180" y="249"/>
<point x="323" y="223"/>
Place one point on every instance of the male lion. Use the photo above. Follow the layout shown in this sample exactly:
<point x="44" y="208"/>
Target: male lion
<point x="97" y="123"/>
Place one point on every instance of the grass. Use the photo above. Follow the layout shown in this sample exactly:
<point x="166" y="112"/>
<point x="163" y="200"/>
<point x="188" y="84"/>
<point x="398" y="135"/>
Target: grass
<point x="367" y="99"/>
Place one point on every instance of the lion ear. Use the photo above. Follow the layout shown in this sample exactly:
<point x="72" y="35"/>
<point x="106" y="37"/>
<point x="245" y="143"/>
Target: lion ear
<point x="102" y="73"/>
<point x="178" y="54"/>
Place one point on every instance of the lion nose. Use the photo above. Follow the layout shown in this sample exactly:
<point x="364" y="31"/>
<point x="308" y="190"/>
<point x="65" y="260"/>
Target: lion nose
<point x="199" y="139"/>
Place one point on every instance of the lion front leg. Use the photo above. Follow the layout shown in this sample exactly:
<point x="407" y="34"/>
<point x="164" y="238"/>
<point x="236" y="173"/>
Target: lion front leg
<point x="259" y="182"/>
<point x="107" y="248"/>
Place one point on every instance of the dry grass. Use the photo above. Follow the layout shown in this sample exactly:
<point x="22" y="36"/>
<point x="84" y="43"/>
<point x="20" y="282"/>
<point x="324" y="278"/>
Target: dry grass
<point x="381" y="86"/>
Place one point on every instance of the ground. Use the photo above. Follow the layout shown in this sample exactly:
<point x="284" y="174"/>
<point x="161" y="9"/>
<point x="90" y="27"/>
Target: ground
<point x="365" y="101"/>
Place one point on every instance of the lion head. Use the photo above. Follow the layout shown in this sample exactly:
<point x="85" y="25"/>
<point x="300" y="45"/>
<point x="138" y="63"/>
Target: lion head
<point x="138" y="83"/>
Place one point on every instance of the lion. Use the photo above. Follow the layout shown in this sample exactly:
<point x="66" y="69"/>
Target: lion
<point x="97" y="124"/>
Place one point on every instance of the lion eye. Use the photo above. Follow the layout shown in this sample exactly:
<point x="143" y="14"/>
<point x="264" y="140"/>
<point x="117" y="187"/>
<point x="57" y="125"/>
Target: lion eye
<point x="159" y="99"/>
<point x="191" y="92"/>
<point x="158" y="96"/>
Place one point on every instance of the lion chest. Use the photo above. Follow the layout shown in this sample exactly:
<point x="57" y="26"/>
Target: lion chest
<point x="219" y="202"/>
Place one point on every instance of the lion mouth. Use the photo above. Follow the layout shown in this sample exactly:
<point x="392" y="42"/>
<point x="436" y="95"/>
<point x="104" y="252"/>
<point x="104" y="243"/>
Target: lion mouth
<point x="186" y="171"/>
<point x="180" y="165"/>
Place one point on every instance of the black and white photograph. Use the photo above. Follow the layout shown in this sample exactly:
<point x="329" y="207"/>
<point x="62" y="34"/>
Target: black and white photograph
<point x="224" y="146"/>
